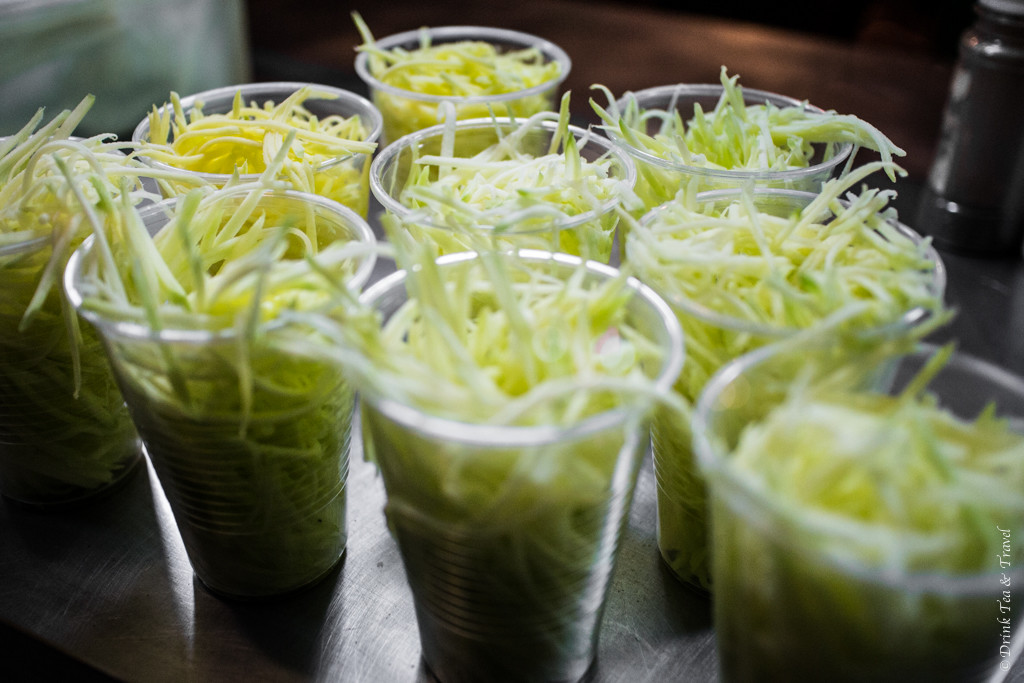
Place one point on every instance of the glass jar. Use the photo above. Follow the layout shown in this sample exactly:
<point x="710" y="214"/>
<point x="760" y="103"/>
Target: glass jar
<point x="974" y="199"/>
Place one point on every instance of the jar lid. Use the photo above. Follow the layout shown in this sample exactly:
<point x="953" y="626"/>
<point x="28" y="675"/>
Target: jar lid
<point x="1015" y="7"/>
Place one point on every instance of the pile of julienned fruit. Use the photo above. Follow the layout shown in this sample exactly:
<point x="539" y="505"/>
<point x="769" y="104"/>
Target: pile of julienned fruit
<point x="202" y="290"/>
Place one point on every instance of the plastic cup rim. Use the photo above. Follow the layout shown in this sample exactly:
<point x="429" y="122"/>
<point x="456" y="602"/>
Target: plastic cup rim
<point x="711" y="462"/>
<point x="843" y="150"/>
<point x="367" y="112"/>
<point x="504" y="436"/>
<point x="180" y="334"/>
<point x="909" y="318"/>
<point x="453" y="33"/>
<point x="392" y="150"/>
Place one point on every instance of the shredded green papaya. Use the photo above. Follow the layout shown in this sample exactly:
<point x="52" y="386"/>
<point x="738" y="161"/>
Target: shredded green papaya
<point x="475" y="75"/>
<point x="751" y="269"/>
<point x="715" y="148"/>
<point x="247" y="431"/>
<point x="65" y="430"/>
<point x="531" y="377"/>
<point x="884" y="509"/>
<point x="539" y="183"/>
<point x="329" y="155"/>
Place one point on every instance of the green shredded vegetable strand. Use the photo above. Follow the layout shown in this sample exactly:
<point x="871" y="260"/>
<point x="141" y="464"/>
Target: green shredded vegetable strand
<point x="780" y="269"/>
<point x="207" y="265"/>
<point x="471" y="340"/>
<point x="864" y="466"/>
<point x="498" y="341"/>
<point x="463" y="68"/>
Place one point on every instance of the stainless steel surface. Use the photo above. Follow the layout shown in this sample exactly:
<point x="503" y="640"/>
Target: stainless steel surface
<point x="106" y="590"/>
<point x="111" y="585"/>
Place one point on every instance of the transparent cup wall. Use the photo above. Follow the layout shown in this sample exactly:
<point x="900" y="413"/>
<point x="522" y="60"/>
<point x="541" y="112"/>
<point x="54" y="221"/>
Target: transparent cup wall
<point x="590" y="234"/>
<point x="259" y="499"/>
<point x="61" y="439"/>
<point x="344" y="180"/>
<point x="405" y="111"/>
<point x="786" y="608"/>
<point x="249" y="437"/>
<point x="509" y="535"/>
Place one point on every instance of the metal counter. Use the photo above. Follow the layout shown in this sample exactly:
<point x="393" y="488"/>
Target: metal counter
<point x="106" y="590"/>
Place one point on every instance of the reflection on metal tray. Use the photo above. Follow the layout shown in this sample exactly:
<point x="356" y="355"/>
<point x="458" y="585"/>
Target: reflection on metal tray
<point x="110" y="585"/>
<point x="106" y="591"/>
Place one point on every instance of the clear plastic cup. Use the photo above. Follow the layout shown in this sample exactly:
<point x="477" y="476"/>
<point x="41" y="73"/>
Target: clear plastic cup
<point x="717" y="339"/>
<point x="406" y="111"/>
<point x="62" y="439"/>
<point x="658" y="180"/>
<point x="795" y="598"/>
<point x="509" y="534"/>
<point x="589" y="234"/>
<point x="248" y="436"/>
<point x="344" y="180"/>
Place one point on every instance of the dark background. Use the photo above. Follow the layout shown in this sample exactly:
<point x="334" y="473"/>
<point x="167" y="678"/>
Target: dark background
<point x="917" y="25"/>
<point x="924" y="26"/>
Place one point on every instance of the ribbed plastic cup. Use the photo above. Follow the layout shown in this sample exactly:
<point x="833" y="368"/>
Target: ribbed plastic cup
<point x="718" y="339"/>
<point x="61" y="441"/>
<point x="658" y="180"/>
<point x="344" y="179"/>
<point x="249" y="438"/>
<point x="406" y="111"/>
<point x="789" y="604"/>
<point x="589" y="234"/>
<point x="508" y="534"/>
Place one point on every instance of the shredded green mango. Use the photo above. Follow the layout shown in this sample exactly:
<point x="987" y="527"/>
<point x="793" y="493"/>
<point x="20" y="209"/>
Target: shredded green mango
<point x="247" y="431"/>
<point x="735" y="136"/>
<point x="328" y="156"/>
<point x="742" y="274"/>
<point x="497" y="343"/>
<point x="872" y="531"/>
<point x="517" y="490"/>
<point x="536" y="186"/>
<point x="63" y="424"/>
<point x="862" y="466"/>
<point x="463" y="69"/>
